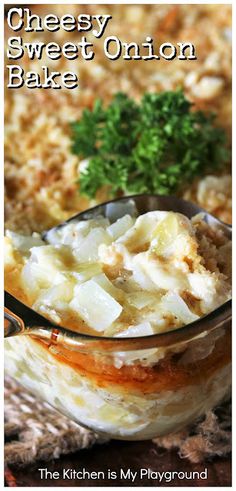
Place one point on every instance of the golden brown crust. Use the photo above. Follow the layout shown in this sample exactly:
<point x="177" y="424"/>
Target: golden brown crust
<point x="166" y="375"/>
<point x="40" y="169"/>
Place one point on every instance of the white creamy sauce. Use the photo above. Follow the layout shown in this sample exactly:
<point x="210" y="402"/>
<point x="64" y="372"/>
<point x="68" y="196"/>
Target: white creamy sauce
<point x="130" y="278"/>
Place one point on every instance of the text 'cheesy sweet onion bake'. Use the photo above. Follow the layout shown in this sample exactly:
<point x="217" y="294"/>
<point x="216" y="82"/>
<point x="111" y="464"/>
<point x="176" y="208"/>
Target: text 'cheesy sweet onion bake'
<point x="131" y="278"/>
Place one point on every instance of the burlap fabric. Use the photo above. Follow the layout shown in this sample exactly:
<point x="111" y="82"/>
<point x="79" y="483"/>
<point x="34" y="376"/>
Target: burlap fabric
<point x="35" y="431"/>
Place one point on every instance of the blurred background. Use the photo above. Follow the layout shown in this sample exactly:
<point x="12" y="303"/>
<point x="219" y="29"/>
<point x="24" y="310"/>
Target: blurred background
<point x="41" y="173"/>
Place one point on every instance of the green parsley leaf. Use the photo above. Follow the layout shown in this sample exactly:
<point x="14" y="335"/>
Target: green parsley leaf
<point x="156" y="146"/>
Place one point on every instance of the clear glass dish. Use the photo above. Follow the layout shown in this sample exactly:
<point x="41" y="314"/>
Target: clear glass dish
<point x="81" y="378"/>
<point x="133" y="388"/>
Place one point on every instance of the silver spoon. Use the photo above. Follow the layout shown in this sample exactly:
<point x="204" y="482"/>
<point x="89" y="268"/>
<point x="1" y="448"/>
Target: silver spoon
<point x="20" y="319"/>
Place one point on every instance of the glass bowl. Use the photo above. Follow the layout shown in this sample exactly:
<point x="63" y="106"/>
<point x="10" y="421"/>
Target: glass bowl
<point x="86" y="380"/>
<point x="127" y="388"/>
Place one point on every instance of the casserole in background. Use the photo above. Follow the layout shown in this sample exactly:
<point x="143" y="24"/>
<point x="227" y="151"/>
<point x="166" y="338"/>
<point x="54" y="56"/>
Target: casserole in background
<point x="40" y="170"/>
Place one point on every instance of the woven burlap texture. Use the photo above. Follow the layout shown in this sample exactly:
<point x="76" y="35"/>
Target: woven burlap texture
<point x="35" y="431"/>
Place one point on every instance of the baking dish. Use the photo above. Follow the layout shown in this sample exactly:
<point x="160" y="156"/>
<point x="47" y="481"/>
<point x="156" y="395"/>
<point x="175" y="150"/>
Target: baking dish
<point x="79" y="375"/>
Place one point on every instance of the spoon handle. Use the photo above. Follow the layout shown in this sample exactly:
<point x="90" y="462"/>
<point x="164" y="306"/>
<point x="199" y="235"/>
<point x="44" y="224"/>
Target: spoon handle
<point x="33" y="324"/>
<point x="13" y="324"/>
<point x="18" y="313"/>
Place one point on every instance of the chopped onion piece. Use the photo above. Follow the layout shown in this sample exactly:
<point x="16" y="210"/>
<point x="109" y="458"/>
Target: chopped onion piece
<point x="87" y="249"/>
<point x="74" y="232"/>
<point x="144" y="329"/>
<point x="142" y="279"/>
<point x="55" y="299"/>
<point x="159" y="274"/>
<point x="120" y="227"/>
<point x="116" y="210"/>
<point x="45" y="268"/>
<point x="24" y="243"/>
<point x="108" y="286"/>
<point x="95" y="305"/>
<point x="173" y="303"/>
<point x="84" y="272"/>
<point x="165" y="233"/>
<point x="141" y="299"/>
<point x="142" y="230"/>
<point x="174" y="236"/>
<point x="202" y="285"/>
<point x="62" y="292"/>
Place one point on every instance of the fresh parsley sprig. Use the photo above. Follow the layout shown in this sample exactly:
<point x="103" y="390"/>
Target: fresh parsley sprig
<point x="156" y="146"/>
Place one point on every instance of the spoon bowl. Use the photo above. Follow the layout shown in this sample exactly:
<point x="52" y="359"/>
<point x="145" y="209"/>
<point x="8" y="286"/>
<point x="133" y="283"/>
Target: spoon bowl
<point x="21" y="319"/>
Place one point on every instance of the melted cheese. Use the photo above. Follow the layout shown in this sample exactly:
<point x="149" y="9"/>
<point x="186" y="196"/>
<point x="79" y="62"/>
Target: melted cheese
<point x="139" y="276"/>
